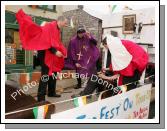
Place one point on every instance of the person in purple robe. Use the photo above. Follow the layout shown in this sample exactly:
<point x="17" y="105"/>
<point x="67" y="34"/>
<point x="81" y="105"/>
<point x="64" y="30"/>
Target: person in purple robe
<point x="82" y="54"/>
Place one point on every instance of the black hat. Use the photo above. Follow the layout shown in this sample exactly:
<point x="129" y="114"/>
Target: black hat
<point x="81" y="29"/>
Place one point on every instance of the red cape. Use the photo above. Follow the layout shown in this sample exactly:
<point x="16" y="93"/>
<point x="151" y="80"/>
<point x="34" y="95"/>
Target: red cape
<point x="35" y="37"/>
<point x="139" y="60"/>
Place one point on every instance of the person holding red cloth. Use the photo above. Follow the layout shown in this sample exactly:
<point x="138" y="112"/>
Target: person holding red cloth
<point x="51" y="52"/>
<point x="128" y="61"/>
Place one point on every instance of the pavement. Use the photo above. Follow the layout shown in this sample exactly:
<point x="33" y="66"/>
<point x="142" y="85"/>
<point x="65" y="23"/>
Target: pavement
<point x="65" y="102"/>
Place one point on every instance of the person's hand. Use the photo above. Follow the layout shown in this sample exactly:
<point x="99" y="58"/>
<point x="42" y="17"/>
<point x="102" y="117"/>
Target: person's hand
<point x="103" y="70"/>
<point x="103" y="76"/>
<point x="77" y="65"/>
<point x="114" y="77"/>
<point x="88" y="34"/>
<point x="35" y="53"/>
<point x="59" y="54"/>
<point x="65" y="56"/>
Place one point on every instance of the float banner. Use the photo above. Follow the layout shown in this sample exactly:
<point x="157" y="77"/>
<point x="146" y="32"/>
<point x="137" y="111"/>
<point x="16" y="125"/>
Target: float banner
<point x="133" y="104"/>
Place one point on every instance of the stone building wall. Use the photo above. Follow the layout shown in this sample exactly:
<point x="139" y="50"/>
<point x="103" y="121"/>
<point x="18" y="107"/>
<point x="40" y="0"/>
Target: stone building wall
<point x="80" y="17"/>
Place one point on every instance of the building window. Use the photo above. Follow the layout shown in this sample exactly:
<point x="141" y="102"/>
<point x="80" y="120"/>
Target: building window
<point x="45" y="7"/>
<point x="14" y="54"/>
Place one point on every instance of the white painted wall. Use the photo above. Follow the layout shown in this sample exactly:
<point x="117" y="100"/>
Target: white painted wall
<point x="146" y="16"/>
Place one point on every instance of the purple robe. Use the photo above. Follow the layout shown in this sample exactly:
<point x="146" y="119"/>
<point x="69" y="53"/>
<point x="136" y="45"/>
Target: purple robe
<point x="84" y="52"/>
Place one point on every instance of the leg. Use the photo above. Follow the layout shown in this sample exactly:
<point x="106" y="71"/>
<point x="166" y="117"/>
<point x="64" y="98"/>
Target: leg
<point x="134" y="78"/>
<point x="52" y="86"/>
<point x="42" y="84"/>
<point x="79" y="83"/>
<point x="90" y="88"/>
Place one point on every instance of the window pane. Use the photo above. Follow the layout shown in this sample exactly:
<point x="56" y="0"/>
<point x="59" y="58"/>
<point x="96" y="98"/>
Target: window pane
<point x="14" y="54"/>
<point x="50" y="7"/>
<point x="40" y="6"/>
<point x="9" y="36"/>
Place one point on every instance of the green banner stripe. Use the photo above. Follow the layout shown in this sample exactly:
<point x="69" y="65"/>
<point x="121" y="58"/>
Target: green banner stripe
<point x="76" y="102"/>
<point x="35" y="112"/>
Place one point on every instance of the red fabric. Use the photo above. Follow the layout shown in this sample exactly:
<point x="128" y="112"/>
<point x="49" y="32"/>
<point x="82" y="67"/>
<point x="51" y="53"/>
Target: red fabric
<point x="35" y="37"/>
<point x="55" y="63"/>
<point x="139" y="60"/>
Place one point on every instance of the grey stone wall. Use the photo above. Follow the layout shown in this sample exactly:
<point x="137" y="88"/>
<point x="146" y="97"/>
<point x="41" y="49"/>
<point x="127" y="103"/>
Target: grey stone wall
<point x="80" y="17"/>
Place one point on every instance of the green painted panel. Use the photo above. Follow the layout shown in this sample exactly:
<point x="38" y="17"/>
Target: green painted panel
<point x="10" y="17"/>
<point x="11" y="26"/>
<point x="28" y="58"/>
<point x="39" y="20"/>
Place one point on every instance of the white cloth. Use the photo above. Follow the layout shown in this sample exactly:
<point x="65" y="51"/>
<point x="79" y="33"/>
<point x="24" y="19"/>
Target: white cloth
<point x="105" y="58"/>
<point x="120" y="57"/>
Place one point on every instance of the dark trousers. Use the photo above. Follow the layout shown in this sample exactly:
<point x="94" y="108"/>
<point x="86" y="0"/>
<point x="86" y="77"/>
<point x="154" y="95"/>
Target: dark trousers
<point x="92" y="86"/>
<point x="44" y="81"/>
<point x="134" y="78"/>
<point x="79" y="81"/>
<point x="36" y="61"/>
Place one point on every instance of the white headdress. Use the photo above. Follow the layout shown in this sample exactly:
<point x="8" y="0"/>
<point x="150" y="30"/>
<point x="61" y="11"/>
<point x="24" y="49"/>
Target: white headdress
<point x="120" y="57"/>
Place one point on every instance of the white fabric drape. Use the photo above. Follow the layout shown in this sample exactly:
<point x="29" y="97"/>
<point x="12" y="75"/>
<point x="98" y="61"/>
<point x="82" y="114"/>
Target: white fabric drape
<point x="120" y="57"/>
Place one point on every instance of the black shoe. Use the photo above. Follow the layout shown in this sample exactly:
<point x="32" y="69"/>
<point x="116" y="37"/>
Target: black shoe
<point x="77" y="87"/>
<point x="54" y="95"/>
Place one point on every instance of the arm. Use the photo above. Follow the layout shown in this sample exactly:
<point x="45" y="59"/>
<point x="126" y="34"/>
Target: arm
<point x="110" y="78"/>
<point x="56" y="52"/>
<point x="72" y="52"/>
<point x="53" y="50"/>
<point x="91" y="38"/>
